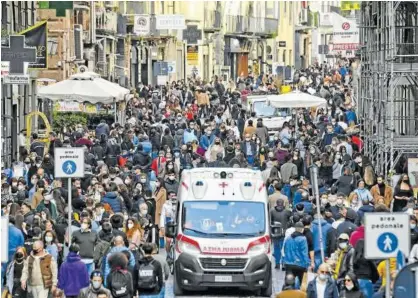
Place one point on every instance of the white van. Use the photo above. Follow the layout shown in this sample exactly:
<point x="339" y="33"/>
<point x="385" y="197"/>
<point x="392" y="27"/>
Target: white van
<point x="277" y="109"/>
<point x="222" y="231"/>
<point x="273" y="118"/>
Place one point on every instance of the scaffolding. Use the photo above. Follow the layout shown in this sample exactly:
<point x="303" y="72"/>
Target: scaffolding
<point x="388" y="103"/>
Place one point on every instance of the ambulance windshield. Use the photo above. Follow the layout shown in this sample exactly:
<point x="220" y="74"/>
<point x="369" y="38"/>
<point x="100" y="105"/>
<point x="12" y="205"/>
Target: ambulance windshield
<point x="226" y="218"/>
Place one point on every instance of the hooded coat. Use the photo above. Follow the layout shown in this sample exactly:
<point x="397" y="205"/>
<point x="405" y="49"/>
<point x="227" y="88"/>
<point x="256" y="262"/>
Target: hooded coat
<point x="73" y="275"/>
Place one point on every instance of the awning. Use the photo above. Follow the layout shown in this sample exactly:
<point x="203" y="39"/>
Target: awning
<point x="84" y="87"/>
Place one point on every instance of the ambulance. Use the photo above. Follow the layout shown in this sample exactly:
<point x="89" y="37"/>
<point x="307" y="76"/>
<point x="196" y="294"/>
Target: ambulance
<point x="222" y="232"/>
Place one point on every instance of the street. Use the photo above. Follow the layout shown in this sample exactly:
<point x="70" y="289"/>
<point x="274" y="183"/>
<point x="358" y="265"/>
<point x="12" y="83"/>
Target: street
<point x="278" y="278"/>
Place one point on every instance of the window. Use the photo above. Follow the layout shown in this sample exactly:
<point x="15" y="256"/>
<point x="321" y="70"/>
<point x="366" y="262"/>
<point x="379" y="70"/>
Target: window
<point x="285" y="6"/>
<point x="284" y="57"/>
<point x="52" y="45"/>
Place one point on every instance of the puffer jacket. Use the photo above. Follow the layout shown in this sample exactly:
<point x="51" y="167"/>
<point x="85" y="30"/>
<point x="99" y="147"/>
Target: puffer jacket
<point x="296" y="251"/>
<point x="114" y="202"/>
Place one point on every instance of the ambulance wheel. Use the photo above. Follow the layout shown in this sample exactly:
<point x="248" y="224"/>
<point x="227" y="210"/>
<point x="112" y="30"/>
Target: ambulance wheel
<point x="267" y="292"/>
<point x="178" y="291"/>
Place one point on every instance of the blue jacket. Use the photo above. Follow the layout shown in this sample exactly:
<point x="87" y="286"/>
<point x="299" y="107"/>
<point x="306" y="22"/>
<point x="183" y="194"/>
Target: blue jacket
<point x="73" y="275"/>
<point x="189" y="136"/>
<point x="114" y="201"/>
<point x="146" y="146"/>
<point x="351" y="116"/>
<point x="327" y="140"/>
<point x="205" y="141"/>
<point x="296" y="251"/>
<point x="331" y="290"/>
<point x="131" y="262"/>
<point x="15" y="240"/>
<point x="315" y="233"/>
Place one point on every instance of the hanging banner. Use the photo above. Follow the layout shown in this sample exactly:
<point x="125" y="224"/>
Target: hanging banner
<point x="36" y="36"/>
<point x="142" y="24"/>
<point x="192" y="55"/>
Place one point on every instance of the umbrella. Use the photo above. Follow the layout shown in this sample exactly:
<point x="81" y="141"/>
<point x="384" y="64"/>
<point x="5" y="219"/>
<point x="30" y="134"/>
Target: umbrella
<point x="84" y="87"/>
<point x="295" y="99"/>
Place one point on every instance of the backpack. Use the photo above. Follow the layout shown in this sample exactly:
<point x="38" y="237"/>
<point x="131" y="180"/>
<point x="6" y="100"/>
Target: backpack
<point x="101" y="249"/>
<point x="119" y="283"/>
<point x="277" y="230"/>
<point x="147" y="277"/>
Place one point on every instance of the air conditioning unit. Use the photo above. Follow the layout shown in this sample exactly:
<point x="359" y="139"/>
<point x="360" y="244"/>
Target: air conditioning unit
<point x="303" y="16"/>
<point x="78" y="41"/>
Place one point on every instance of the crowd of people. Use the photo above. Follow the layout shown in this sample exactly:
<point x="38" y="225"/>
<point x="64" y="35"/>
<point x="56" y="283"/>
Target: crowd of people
<point x="132" y="173"/>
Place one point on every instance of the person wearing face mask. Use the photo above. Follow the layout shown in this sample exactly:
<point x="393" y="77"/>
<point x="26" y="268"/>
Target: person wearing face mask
<point x="279" y="214"/>
<point x="171" y="184"/>
<point x="48" y="203"/>
<point x="413" y="228"/>
<point x="168" y="214"/>
<point x="50" y="243"/>
<point x="160" y="195"/>
<point x="73" y="275"/>
<point x="322" y="286"/>
<point x="402" y="192"/>
<point x="134" y="233"/>
<point x="213" y="151"/>
<point x="14" y="273"/>
<point x="86" y="238"/>
<point x="207" y="139"/>
<point x="39" y="274"/>
<point x="38" y="196"/>
<point x="382" y="191"/>
<point x="343" y="258"/>
<point x="351" y="287"/>
<point x="248" y="148"/>
<point x="95" y="287"/>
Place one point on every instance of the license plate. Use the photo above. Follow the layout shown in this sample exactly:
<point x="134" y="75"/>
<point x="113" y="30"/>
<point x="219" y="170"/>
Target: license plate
<point x="223" y="278"/>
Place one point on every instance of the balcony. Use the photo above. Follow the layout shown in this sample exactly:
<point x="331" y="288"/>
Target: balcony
<point x="256" y="25"/>
<point x="212" y="21"/>
<point x="271" y="26"/>
<point x="107" y="23"/>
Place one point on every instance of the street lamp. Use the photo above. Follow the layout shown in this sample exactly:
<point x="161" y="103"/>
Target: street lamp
<point x="314" y="170"/>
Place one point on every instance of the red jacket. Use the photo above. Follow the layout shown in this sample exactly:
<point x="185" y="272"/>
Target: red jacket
<point x="154" y="164"/>
<point x="357" y="235"/>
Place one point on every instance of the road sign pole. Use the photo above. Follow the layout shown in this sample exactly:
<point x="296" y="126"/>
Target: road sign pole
<point x="70" y="212"/>
<point x="314" y="181"/>
<point x="387" y="286"/>
<point x="416" y="281"/>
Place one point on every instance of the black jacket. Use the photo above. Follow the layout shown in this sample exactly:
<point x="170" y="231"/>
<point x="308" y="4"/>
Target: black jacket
<point x="158" y="271"/>
<point x="142" y="159"/>
<point x="167" y="140"/>
<point x="282" y="216"/>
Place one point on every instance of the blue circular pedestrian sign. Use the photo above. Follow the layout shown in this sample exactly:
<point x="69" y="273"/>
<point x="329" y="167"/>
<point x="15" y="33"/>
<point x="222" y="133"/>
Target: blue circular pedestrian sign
<point x="387" y="242"/>
<point x="69" y="167"/>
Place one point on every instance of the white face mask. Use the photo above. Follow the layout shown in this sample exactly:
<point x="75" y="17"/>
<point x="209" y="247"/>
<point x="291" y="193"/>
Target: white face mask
<point x="343" y="245"/>
<point x="349" y="287"/>
<point x="143" y="180"/>
<point x="144" y="211"/>
<point x="21" y="187"/>
<point x="323" y="277"/>
<point x="130" y="225"/>
<point x="48" y="239"/>
<point x="84" y="226"/>
<point x="96" y="284"/>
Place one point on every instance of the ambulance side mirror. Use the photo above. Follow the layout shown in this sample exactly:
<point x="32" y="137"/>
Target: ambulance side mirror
<point x="171" y="230"/>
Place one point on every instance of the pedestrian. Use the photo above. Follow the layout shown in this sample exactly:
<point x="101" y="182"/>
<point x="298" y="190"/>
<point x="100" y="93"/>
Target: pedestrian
<point x="296" y="257"/>
<point x="39" y="272"/>
<point x="148" y="274"/>
<point x="14" y="273"/>
<point x="73" y="274"/>
<point x="119" y="280"/>
<point x="322" y="286"/>
<point x="95" y="288"/>
<point x="279" y="215"/>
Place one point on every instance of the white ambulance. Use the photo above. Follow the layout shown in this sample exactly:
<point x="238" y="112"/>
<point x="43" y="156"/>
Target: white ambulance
<point x="221" y="232"/>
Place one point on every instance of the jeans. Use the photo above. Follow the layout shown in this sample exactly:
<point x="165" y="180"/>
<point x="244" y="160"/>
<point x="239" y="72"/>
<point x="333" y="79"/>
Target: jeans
<point x="161" y="294"/>
<point x="366" y="287"/>
<point x="250" y="160"/>
<point x="277" y="253"/>
<point x="318" y="260"/>
<point x="90" y="267"/>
